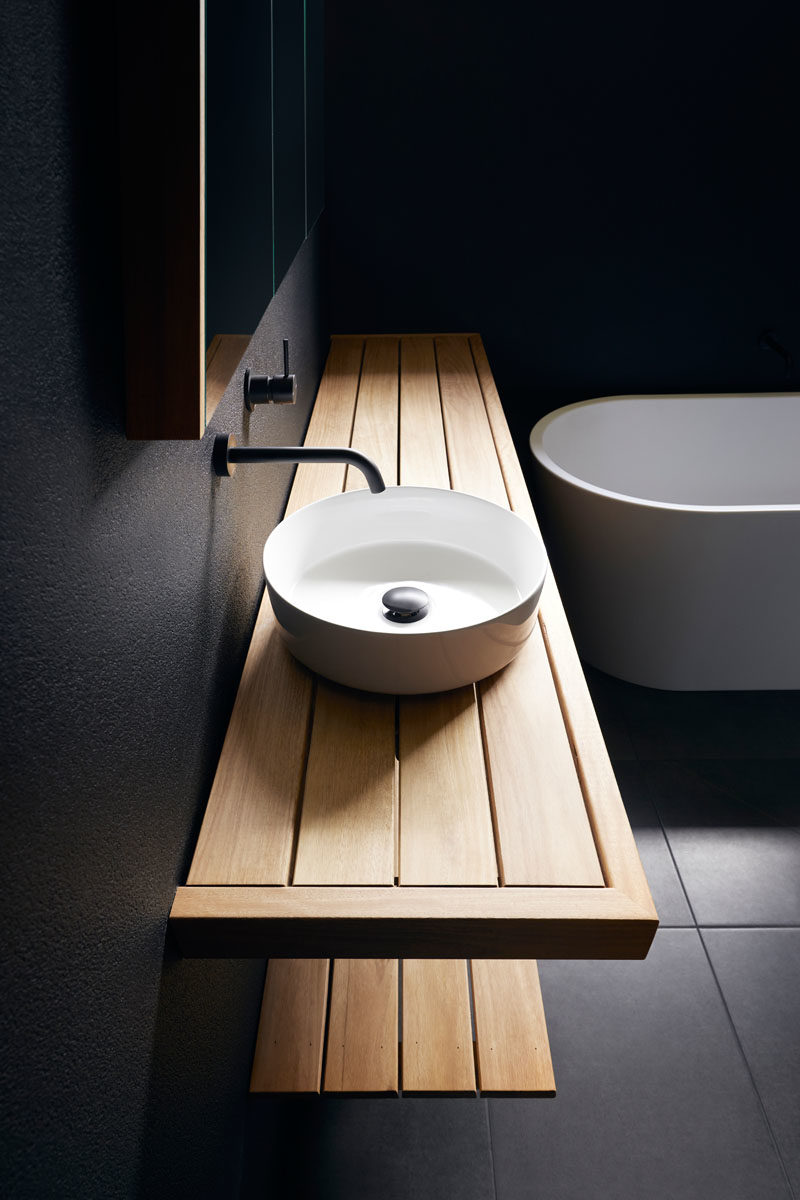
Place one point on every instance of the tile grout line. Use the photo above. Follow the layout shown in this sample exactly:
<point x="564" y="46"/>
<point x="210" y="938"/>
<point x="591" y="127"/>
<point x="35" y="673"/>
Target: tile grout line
<point x="718" y="925"/>
<point x="725" y="1006"/>
<point x="491" y="1147"/>
<point x="764" y="1113"/>
<point x="642" y="763"/>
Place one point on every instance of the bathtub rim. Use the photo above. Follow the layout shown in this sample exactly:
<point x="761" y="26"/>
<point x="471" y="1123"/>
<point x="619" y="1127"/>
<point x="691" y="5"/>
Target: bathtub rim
<point x="549" y="464"/>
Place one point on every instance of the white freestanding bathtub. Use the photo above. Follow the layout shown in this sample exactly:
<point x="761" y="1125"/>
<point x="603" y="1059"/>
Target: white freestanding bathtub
<point x="673" y="523"/>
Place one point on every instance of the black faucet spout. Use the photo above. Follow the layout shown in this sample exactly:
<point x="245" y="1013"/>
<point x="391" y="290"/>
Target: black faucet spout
<point x="227" y="454"/>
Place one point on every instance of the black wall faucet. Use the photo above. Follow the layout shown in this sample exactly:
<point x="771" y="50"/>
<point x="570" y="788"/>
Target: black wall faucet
<point x="227" y="454"/>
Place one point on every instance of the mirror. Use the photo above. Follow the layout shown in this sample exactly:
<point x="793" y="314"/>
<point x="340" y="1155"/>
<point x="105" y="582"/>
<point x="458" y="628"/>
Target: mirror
<point x="239" y="268"/>
<point x="222" y="174"/>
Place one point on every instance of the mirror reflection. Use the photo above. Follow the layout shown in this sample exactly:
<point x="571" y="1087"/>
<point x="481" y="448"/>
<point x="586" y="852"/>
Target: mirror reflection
<point x="238" y="212"/>
<point x="263" y="163"/>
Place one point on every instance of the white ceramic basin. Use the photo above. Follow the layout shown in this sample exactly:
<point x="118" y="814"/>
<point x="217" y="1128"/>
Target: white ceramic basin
<point x="329" y="565"/>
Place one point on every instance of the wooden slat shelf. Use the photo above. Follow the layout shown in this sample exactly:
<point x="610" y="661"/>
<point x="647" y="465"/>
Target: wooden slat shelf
<point x="335" y="1028"/>
<point x="413" y="853"/>
<point x="500" y="831"/>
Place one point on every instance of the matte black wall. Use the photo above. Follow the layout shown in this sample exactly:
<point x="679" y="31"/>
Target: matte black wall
<point x="131" y="577"/>
<point x="607" y="192"/>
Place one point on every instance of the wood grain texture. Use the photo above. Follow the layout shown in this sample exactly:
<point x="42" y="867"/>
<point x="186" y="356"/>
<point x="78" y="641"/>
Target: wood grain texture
<point x="288" y="1055"/>
<point x="362" y="1052"/>
<point x="417" y="922"/>
<point x="347" y="831"/>
<point x="423" y="454"/>
<point x="331" y="423"/>
<point x="222" y="358"/>
<point x="543" y="832"/>
<point x="512" y="1046"/>
<point x="436" y="1050"/>
<point x="376" y="418"/>
<point x="470" y="447"/>
<point x="445" y="818"/>
<point x="247" y="833"/>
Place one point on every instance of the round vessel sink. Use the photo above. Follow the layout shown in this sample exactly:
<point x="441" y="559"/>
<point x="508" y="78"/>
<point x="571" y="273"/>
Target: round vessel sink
<point x="411" y="590"/>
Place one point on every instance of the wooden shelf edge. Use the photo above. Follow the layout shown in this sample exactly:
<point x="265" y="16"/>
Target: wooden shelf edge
<point x="478" y="1094"/>
<point x="401" y="337"/>
<point x="252" y="922"/>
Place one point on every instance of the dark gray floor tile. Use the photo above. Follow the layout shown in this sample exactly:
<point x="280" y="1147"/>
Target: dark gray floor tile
<point x="654" y="1099"/>
<point x="665" y="884"/>
<point x="387" y="1149"/>
<point x="737" y="864"/>
<point x="712" y="724"/>
<point x="759" y="972"/>
<point x="608" y="697"/>
<point x="771" y="787"/>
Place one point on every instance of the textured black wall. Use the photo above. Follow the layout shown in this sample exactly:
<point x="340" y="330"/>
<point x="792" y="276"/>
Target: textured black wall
<point x="130" y="582"/>
<point x="607" y="192"/>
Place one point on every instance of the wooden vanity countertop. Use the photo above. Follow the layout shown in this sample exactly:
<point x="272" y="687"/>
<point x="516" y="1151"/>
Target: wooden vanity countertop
<point x="480" y="823"/>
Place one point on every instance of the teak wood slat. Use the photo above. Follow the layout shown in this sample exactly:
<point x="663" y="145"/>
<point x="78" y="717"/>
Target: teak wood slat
<point x="436" y="1048"/>
<point x="471" y="451"/>
<point x="362" y="1027"/>
<point x="331" y="423"/>
<point x="347" y="822"/>
<point x="423" y="452"/>
<point x="446" y="833"/>
<point x="529" y="760"/>
<point x="248" y="830"/>
<point x="291" y="1030"/>
<point x="445" y="821"/>
<point x="376" y="419"/>
<point x="347" y="827"/>
<point x="511" y="1042"/>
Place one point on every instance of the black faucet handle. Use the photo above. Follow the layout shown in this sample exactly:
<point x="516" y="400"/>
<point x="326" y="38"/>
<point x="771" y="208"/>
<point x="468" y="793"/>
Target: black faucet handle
<point x="271" y="389"/>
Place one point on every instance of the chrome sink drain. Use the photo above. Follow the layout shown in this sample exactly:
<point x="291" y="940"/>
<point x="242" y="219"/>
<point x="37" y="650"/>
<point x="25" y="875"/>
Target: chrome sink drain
<point x="405" y="604"/>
